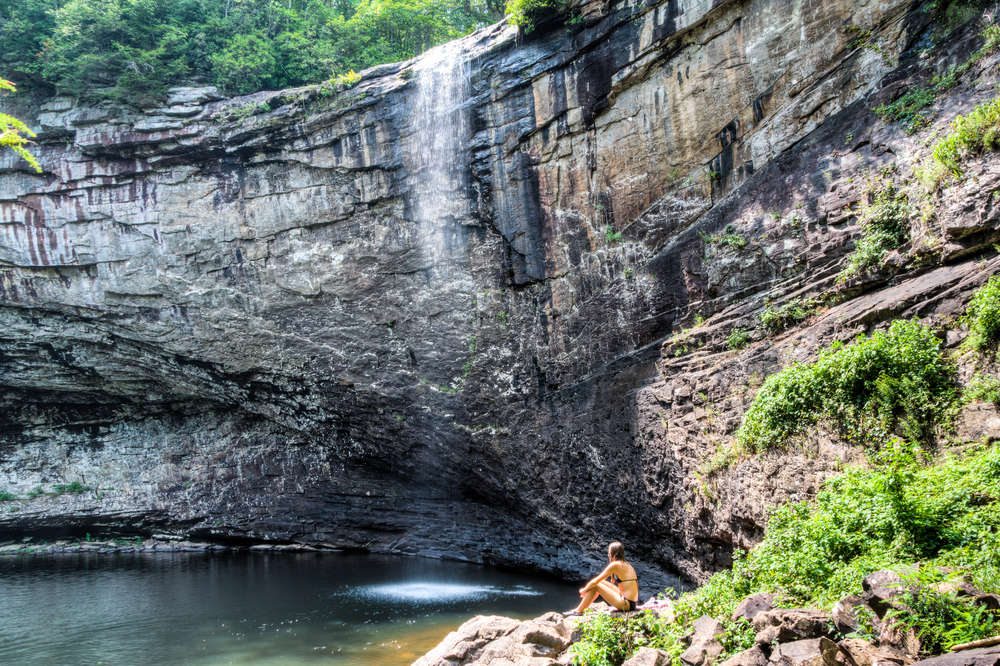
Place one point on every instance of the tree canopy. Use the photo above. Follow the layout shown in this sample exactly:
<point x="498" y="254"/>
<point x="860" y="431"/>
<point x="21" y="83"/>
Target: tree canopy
<point x="14" y="134"/>
<point x="133" y="50"/>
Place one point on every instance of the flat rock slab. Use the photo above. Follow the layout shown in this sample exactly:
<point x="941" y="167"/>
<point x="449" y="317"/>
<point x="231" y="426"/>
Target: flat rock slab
<point x="987" y="656"/>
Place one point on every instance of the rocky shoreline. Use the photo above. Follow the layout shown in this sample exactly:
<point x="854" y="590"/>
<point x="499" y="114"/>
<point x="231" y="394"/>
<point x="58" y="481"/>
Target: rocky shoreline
<point x="782" y="636"/>
<point x="155" y="544"/>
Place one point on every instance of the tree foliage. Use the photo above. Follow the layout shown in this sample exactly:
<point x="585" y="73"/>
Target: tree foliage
<point x="897" y="380"/>
<point x="133" y="50"/>
<point x="14" y="134"/>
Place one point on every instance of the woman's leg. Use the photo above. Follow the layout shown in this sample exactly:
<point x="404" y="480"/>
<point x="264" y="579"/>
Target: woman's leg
<point x="608" y="592"/>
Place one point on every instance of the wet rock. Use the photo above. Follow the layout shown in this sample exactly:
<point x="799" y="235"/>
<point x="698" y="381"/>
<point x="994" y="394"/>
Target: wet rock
<point x="808" y="652"/>
<point x="860" y="652"/>
<point x="752" y="605"/>
<point x="791" y="624"/>
<point x="705" y="647"/>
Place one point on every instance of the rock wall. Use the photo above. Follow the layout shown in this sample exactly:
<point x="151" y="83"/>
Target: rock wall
<point x="224" y="317"/>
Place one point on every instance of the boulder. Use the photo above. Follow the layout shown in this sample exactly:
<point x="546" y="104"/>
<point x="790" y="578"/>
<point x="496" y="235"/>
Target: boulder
<point x="752" y="605"/>
<point x="752" y="657"/>
<point x="705" y="647"/>
<point x="860" y="652"/>
<point x="548" y="634"/>
<point x="897" y="636"/>
<point x="791" y="624"/>
<point x="991" y="601"/>
<point x="879" y="588"/>
<point x="987" y="656"/>
<point x="649" y="657"/>
<point x="959" y="587"/>
<point x="501" y="640"/>
<point x="808" y="652"/>
<point x="466" y="642"/>
<point x="845" y="613"/>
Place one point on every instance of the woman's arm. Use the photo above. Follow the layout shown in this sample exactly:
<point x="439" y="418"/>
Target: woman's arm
<point x="608" y="570"/>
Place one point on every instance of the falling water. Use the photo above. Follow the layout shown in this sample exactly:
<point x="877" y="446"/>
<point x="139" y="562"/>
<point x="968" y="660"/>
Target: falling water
<point x="441" y="137"/>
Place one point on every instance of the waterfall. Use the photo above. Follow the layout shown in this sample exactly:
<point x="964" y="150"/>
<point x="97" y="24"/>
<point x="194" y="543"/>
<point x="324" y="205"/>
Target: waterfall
<point x="441" y="136"/>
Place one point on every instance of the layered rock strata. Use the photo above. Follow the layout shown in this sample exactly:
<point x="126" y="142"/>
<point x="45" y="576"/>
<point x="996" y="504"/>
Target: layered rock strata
<point x="229" y="320"/>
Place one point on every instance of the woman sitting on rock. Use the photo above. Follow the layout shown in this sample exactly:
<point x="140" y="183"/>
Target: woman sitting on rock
<point x="622" y="591"/>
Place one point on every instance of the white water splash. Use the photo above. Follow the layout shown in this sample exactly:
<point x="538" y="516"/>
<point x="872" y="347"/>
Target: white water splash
<point x="441" y="136"/>
<point x="417" y="592"/>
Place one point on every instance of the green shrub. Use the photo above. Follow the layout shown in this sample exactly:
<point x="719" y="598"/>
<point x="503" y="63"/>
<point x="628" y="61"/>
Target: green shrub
<point x="970" y="135"/>
<point x="612" y="236"/>
<point x="607" y="640"/>
<point x="982" y="389"/>
<point x="728" y="237"/>
<point x="74" y="488"/>
<point x="866" y="519"/>
<point x="885" y="225"/>
<point x="739" y="636"/>
<point x="7" y="496"/>
<point x="868" y="389"/>
<point x="774" y="320"/>
<point x="738" y="339"/>
<point x="908" y="110"/>
<point x="893" y="514"/>
<point x="983" y="315"/>
<point x="346" y="81"/>
<point x="528" y="14"/>
<point x="940" y="620"/>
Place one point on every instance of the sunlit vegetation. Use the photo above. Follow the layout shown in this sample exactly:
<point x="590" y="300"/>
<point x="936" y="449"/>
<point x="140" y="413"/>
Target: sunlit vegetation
<point x="885" y="219"/>
<point x="893" y="381"/>
<point x="899" y="511"/>
<point x="133" y="50"/>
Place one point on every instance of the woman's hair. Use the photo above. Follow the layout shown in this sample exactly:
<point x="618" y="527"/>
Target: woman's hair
<point x="616" y="551"/>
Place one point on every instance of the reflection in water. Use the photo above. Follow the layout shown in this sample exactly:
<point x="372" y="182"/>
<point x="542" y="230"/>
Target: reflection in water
<point x="186" y="608"/>
<point x="436" y="592"/>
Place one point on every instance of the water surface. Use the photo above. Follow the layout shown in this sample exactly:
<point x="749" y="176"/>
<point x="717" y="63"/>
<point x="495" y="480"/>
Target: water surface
<point x="282" y="608"/>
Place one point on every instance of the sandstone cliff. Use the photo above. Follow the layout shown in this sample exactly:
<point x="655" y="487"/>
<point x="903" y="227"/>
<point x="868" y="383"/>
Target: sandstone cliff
<point x="344" y="318"/>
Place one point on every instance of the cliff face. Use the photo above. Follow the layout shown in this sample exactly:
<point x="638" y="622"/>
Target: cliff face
<point x="438" y="313"/>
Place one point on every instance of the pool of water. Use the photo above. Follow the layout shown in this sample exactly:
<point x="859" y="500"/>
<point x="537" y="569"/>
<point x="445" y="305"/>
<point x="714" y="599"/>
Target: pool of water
<point x="282" y="608"/>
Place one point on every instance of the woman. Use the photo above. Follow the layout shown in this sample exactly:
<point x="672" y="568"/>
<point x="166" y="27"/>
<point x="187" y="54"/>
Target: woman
<point x="622" y="591"/>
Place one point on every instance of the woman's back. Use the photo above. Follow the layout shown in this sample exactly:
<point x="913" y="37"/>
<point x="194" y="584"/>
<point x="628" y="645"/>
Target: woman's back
<point x="626" y="579"/>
